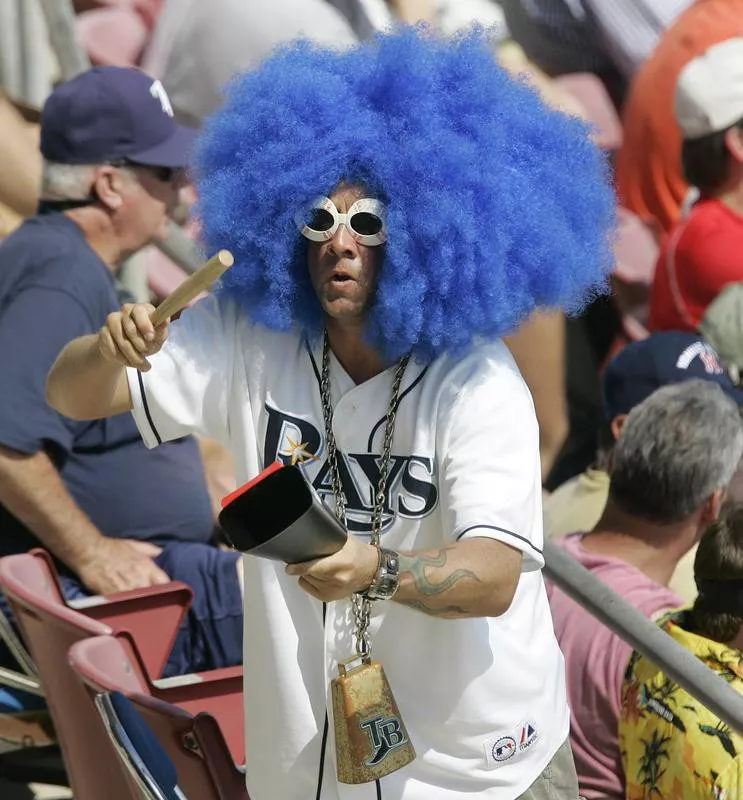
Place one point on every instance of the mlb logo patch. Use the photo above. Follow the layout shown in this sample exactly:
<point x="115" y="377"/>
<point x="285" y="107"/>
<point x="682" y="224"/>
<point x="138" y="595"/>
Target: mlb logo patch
<point x="528" y="735"/>
<point x="504" y="748"/>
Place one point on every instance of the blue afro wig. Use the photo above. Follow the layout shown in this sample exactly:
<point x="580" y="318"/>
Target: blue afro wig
<point x="496" y="204"/>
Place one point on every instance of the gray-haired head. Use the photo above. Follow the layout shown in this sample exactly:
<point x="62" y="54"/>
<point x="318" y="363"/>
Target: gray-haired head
<point x="677" y="448"/>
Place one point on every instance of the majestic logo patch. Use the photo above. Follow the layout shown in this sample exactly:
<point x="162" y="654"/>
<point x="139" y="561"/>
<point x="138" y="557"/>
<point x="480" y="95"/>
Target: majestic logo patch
<point x="528" y="735"/>
<point x="504" y="748"/>
<point x="386" y="734"/>
<point x="412" y="491"/>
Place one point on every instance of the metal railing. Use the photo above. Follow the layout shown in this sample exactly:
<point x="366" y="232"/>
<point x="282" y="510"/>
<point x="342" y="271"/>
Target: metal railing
<point x="653" y="642"/>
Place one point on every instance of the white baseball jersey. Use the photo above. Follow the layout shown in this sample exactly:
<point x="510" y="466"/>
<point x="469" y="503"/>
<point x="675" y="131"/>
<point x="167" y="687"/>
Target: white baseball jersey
<point x="483" y="699"/>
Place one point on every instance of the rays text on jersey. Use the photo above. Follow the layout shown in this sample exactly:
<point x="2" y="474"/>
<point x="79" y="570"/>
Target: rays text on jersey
<point x="412" y="489"/>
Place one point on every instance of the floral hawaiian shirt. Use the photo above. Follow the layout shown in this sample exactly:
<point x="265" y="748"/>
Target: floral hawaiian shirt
<point x="673" y="748"/>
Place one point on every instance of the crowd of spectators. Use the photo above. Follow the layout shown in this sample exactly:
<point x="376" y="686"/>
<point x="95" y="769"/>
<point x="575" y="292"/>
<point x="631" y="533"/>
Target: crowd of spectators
<point x="641" y="437"/>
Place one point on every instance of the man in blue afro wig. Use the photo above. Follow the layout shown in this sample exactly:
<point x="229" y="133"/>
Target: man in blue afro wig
<point x="393" y="209"/>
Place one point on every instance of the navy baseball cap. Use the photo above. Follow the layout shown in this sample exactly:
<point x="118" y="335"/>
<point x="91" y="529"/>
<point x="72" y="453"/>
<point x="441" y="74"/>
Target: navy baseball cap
<point x="113" y="113"/>
<point x="663" y="358"/>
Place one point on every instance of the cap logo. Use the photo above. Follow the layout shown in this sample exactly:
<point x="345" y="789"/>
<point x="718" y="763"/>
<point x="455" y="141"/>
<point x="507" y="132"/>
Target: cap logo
<point x="706" y="355"/>
<point x="157" y="90"/>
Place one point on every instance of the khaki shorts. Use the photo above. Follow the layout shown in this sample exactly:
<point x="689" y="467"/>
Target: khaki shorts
<point x="558" y="781"/>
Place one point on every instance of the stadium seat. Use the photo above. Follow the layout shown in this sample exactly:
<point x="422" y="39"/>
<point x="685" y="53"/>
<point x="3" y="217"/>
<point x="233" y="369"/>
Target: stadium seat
<point x="151" y="615"/>
<point x="150" y="769"/>
<point x="20" y="687"/>
<point x="193" y="717"/>
<point x="28" y="742"/>
<point x="50" y="625"/>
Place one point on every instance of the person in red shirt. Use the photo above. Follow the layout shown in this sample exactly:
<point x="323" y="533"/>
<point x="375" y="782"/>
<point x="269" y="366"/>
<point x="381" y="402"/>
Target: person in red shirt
<point x="648" y="175"/>
<point x="703" y="252"/>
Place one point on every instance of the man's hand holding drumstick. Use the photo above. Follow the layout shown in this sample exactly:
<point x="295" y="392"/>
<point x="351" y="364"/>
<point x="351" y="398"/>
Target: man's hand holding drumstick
<point x="140" y="330"/>
<point x="129" y="337"/>
<point x="88" y="379"/>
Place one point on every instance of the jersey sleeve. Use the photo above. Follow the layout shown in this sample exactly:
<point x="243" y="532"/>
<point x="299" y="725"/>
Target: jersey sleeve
<point x="489" y="452"/>
<point x="34" y="327"/>
<point x="186" y="391"/>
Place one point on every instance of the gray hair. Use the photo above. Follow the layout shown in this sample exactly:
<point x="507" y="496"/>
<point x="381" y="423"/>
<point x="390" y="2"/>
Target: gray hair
<point x="68" y="181"/>
<point x="676" y="449"/>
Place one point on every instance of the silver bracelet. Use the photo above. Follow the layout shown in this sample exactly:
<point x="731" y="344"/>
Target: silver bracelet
<point x="387" y="578"/>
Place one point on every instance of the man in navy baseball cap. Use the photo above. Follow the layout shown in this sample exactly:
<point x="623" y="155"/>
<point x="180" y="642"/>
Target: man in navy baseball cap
<point x="633" y="375"/>
<point x="669" y="357"/>
<point x="110" y="114"/>
<point x="114" y="158"/>
<point x="116" y="515"/>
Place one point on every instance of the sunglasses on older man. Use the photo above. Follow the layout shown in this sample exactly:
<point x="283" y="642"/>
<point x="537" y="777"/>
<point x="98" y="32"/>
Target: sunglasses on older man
<point x="162" y="174"/>
<point x="319" y="220"/>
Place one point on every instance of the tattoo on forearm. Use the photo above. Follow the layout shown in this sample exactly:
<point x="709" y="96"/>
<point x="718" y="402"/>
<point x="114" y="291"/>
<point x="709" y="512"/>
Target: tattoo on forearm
<point x="417" y="568"/>
<point x="429" y="587"/>
<point x="447" y="611"/>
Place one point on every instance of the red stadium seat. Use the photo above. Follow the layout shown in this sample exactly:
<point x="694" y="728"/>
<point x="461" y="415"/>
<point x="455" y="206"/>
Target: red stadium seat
<point x="151" y="615"/>
<point x="50" y="626"/>
<point x="189" y="716"/>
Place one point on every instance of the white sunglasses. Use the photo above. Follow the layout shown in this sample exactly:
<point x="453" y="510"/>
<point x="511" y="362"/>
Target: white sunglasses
<point x="319" y="220"/>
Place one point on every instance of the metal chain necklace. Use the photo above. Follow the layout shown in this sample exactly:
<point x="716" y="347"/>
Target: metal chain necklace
<point x="361" y="605"/>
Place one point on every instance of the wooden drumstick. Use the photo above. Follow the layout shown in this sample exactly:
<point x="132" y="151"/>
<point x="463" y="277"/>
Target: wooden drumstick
<point x="193" y="286"/>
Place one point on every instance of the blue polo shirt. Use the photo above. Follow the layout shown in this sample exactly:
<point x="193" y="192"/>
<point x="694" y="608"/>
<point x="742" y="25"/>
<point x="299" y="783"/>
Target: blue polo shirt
<point x="53" y="288"/>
